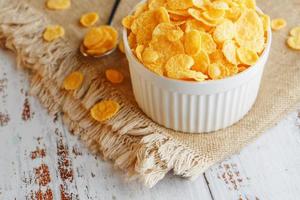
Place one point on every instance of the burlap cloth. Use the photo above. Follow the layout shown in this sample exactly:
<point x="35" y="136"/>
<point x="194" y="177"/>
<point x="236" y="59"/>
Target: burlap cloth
<point x="134" y="143"/>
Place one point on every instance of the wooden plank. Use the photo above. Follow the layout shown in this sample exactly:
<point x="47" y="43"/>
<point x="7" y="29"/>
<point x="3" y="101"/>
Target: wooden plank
<point x="8" y="162"/>
<point x="99" y="180"/>
<point x="267" y="169"/>
<point x="31" y="169"/>
<point x="264" y="170"/>
<point x="34" y="150"/>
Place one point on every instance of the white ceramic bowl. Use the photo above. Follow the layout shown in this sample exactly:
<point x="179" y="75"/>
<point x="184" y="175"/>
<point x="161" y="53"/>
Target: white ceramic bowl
<point x="195" y="107"/>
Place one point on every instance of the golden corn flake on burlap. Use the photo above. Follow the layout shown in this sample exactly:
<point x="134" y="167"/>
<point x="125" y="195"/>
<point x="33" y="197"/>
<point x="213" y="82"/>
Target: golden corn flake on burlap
<point x="293" y="40"/>
<point x="277" y="24"/>
<point x="73" y="81"/>
<point x="105" y="110"/>
<point x="53" y="32"/>
<point x="114" y="76"/>
<point x="89" y="19"/>
<point x="58" y="4"/>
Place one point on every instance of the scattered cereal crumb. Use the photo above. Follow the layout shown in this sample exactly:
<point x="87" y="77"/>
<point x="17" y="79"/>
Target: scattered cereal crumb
<point x="53" y="32"/>
<point x="114" y="76"/>
<point x="277" y="24"/>
<point x="73" y="81"/>
<point x="105" y="110"/>
<point x="58" y="4"/>
<point x="89" y="19"/>
<point x="293" y="40"/>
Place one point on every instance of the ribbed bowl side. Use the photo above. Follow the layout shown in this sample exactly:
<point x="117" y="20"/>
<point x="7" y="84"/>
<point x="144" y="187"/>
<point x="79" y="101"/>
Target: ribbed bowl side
<point x="194" y="113"/>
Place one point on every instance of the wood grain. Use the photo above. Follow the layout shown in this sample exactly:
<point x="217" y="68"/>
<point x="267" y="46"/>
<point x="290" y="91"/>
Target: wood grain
<point x="267" y="169"/>
<point x="92" y="178"/>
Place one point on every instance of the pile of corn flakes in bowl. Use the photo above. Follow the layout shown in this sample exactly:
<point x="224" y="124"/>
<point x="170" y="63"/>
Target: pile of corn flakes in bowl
<point x="196" y="57"/>
<point x="196" y="39"/>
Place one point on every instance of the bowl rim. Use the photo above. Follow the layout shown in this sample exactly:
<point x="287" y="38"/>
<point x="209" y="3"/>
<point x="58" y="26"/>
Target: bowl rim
<point x="235" y="77"/>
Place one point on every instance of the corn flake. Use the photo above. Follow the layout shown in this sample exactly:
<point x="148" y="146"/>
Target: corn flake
<point x="232" y="69"/>
<point x="114" y="76"/>
<point x="192" y="24"/>
<point x="193" y="75"/>
<point x="241" y="68"/>
<point x="169" y="48"/>
<point x="216" y="71"/>
<point x="172" y="32"/>
<point x="294" y="42"/>
<point x="195" y="13"/>
<point x="179" y="67"/>
<point x="162" y="15"/>
<point x="179" y="4"/>
<point x="179" y="13"/>
<point x="53" y="32"/>
<point x="132" y="41"/>
<point x="277" y="24"/>
<point x="233" y="13"/>
<point x="140" y="9"/>
<point x="220" y="5"/>
<point x="207" y="43"/>
<point x="213" y="14"/>
<point x="58" y="4"/>
<point x="105" y="110"/>
<point x="202" y="61"/>
<point x="224" y="31"/>
<point x="178" y="23"/>
<point x="127" y="21"/>
<point x="138" y="51"/>
<point x="266" y="22"/>
<point x="216" y="56"/>
<point x="198" y="3"/>
<point x="93" y="37"/>
<point x="154" y="4"/>
<point x="192" y="42"/>
<point x="148" y="20"/>
<point x="250" y="4"/>
<point x="149" y="56"/>
<point x="73" y="81"/>
<point x="89" y="19"/>
<point x="295" y="31"/>
<point x="250" y="31"/>
<point x="176" y="18"/>
<point x="208" y="20"/>
<point x="247" y="56"/>
<point x="229" y="50"/>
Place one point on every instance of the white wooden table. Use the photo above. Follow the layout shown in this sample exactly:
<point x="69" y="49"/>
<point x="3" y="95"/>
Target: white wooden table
<point x="39" y="159"/>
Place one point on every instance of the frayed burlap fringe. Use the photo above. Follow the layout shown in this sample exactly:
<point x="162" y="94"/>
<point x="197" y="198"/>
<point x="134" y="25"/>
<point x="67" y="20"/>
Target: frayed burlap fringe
<point x="133" y="142"/>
